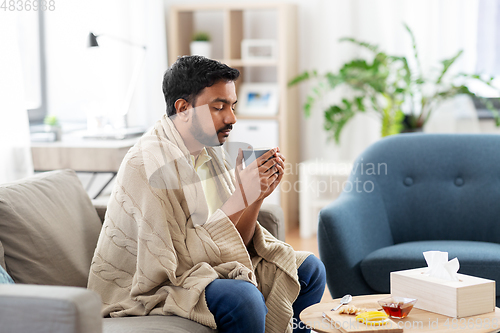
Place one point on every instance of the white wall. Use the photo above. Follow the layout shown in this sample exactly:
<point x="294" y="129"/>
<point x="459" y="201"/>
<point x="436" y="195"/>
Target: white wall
<point x="84" y="80"/>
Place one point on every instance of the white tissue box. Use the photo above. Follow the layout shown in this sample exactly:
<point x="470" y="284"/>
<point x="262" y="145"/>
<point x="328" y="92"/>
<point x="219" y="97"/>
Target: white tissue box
<point x="469" y="296"/>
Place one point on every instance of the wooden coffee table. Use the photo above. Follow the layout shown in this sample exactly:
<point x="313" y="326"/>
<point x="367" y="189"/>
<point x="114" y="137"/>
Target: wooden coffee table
<point x="417" y="321"/>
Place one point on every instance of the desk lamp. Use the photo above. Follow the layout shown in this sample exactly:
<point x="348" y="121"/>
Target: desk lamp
<point x="125" y="131"/>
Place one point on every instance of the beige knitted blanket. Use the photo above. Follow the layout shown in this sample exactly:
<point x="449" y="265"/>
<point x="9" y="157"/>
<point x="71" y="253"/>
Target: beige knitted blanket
<point x="159" y="249"/>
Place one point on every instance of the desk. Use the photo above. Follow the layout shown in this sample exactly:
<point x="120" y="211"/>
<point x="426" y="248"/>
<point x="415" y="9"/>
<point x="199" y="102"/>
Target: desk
<point x="417" y="321"/>
<point x="81" y="155"/>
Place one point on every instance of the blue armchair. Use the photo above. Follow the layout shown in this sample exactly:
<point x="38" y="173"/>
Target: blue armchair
<point x="408" y="194"/>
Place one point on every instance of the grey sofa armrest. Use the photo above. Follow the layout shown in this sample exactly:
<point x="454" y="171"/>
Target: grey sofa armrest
<point x="49" y="309"/>
<point x="271" y="217"/>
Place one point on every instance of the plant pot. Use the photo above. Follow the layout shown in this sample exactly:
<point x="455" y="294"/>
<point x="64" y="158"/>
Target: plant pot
<point x="201" y="48"/>
<point x="56" y="130"/>
<point x="409" y="125"/>
<point x="412" y="130"/>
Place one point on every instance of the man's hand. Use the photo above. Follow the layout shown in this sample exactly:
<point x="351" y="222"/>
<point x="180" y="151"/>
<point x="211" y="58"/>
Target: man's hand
<point x="259" y="179"/>
<point x="254" y="183"/>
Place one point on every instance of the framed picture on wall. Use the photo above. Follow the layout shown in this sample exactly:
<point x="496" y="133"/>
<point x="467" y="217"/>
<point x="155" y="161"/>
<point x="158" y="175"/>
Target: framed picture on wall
<point x="258" y="99"/>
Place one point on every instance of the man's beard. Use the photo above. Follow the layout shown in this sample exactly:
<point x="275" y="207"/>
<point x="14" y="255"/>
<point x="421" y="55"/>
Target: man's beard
<point x="205" y="138"/>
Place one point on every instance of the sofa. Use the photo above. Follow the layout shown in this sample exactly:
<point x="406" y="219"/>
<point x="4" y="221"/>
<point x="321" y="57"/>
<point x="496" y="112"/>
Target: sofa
<point x="48" y="233"/>
<point x="411" y="193"/>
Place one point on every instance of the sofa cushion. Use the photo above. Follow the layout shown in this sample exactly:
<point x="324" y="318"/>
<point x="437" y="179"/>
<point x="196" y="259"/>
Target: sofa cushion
<point x="48" y="228"/>
<point x="479" y="259"/>
<point x="147" y="324"/>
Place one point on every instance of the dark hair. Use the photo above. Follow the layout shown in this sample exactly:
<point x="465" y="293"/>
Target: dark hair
<point x="189" y="75"/>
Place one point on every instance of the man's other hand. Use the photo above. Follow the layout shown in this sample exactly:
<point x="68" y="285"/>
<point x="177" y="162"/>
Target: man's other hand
<point x="259" y="179"/>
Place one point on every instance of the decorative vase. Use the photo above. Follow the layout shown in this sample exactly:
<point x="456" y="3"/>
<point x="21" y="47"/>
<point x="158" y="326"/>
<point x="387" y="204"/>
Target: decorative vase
<point x="201" y="48"/>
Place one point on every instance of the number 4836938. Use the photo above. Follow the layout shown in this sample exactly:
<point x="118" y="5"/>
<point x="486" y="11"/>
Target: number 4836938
<point x="27" y="5"/>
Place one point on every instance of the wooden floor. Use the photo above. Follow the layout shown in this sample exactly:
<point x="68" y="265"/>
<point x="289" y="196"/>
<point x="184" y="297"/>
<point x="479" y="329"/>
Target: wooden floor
<point x="306" y="244"/>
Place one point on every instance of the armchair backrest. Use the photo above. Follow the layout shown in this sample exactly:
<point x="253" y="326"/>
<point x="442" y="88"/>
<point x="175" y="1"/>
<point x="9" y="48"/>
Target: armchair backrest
<point x="434" y="186"/>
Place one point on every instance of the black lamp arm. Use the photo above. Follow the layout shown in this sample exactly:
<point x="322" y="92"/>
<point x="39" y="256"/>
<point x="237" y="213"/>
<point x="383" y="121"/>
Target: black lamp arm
<point x="93" y="38"/>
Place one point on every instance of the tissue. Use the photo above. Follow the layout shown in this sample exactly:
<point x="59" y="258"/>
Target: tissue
<point x="440" y="267"/>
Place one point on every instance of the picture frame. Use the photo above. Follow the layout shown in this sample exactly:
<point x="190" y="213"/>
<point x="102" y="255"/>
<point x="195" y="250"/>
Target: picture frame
<point x="258" y="49"/>
<point x="258" y="99"/>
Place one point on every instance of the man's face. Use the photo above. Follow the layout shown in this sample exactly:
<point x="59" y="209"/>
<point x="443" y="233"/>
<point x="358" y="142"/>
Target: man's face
<point x="213" y="116"/>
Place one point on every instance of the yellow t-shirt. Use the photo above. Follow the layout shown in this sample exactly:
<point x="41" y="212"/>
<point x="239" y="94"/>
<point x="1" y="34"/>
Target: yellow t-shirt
<point x="207" y="181"/>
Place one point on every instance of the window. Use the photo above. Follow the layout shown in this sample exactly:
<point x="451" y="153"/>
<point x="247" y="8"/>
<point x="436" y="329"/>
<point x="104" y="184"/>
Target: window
<point x="31" y="42"/>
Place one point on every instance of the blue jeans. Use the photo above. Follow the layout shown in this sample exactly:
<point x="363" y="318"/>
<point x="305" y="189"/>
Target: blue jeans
<point x="238" y="306"/>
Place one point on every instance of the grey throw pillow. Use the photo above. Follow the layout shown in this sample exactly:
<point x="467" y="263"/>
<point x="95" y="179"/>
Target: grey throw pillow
<point x="4" y="277"/>
<point x="2" y="260"/>
<point x="48" y="228"/>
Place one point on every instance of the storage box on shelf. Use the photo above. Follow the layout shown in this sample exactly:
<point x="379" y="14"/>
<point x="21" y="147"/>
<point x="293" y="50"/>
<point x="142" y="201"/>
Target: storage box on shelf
<point x="182" y="24"/>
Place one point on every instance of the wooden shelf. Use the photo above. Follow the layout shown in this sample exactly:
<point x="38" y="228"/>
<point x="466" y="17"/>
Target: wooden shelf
<point x="250" y="63"/>
<point x="180" y="29"/>
<point x="228" y="6"/>
<point x="249" y="117"/>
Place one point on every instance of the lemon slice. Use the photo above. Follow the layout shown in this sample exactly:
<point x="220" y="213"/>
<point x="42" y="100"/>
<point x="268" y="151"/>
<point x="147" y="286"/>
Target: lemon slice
<point x="373" y="318"/>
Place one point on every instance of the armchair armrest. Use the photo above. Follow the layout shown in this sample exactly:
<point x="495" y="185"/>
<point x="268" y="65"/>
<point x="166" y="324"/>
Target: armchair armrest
<point x="349" y="229"/>
<point x="49" y="309"/>
<point x="272" y="218"/>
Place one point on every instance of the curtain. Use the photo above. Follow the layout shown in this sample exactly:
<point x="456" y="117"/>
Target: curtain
<point x="488" y="37"/>
<point x="15" y="152"/>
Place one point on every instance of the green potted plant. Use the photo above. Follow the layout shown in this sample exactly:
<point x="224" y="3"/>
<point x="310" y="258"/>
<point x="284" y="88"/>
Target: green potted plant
<point x="200" y="44"/>
<point x="403" y="98"/>
<point x="52" y="125"/>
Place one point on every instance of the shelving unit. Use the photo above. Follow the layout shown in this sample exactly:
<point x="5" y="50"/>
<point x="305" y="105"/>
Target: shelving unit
<point x="180" y="29"/>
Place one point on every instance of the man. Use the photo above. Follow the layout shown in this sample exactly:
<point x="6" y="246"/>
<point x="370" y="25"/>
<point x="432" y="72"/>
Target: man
<point x="181" y="234"/>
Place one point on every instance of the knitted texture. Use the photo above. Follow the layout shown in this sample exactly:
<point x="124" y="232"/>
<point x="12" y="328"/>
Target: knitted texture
<point x="159" y="249"/>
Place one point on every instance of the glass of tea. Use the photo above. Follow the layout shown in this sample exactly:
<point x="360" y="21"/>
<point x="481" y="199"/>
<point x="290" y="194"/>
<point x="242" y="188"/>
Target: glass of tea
<point x="397" y="307"/>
